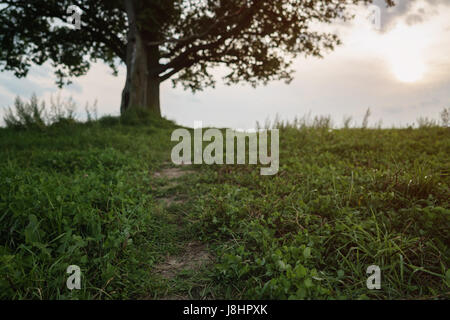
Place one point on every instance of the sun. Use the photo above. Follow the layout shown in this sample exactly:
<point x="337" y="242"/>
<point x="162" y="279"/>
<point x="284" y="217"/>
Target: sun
<point x="408" y="69"/>
<point x="404" y="52"/>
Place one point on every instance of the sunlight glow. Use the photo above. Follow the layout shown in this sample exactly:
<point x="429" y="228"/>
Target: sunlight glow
<point x="408" y="70"/>
<point x="404" y="52"/>
<point x="405" y="49"/>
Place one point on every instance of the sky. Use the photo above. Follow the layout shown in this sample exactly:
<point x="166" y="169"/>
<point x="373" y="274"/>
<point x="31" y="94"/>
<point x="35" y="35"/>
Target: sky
<point x="399" y="68"/>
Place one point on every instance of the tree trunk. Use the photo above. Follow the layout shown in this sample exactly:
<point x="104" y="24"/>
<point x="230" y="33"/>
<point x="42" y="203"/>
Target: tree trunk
<point x="141" y="86"/>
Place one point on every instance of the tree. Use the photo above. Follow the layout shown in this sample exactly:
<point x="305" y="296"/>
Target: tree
<point x="161" y="39"/>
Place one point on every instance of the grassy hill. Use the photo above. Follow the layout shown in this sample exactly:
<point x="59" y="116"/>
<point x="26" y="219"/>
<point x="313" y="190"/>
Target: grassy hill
<point x="104" y="196"/>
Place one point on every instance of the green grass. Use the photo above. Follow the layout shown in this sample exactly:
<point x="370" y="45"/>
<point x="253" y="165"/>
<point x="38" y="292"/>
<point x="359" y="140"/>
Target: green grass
<point x="343" y="200"/>
<point x="81" y="195"/>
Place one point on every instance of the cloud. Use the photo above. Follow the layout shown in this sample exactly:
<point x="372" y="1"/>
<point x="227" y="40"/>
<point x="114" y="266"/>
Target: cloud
<point x="24" y="86"/>
<point x="410" y="11"/>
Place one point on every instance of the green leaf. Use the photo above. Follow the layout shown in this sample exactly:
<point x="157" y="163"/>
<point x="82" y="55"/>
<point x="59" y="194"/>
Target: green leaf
<point x="307" y="252"/>
<point x="308" y="283"/>
<point x="31" y="231"/>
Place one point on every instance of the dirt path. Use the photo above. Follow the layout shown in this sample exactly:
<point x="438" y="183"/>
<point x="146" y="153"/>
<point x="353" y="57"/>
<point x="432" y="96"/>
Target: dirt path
<point x="194" y="255"/>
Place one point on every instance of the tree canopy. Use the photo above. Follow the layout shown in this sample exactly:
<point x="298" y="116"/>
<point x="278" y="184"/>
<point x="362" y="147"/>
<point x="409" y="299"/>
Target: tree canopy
<point x="256" y="40"/>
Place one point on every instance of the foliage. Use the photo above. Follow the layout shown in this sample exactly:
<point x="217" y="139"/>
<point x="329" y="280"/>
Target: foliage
<point x="62" y="113"/>
<point x="255" y="40"/>
<point x="44" y="36"/>
<point x="25" y="114"/>
<point x="445" y="117"/>
<point x="343" y="200"/>
<point x="365" y="122"/>
<point x="80" y="196"/>
<point x="34" y="114"/>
